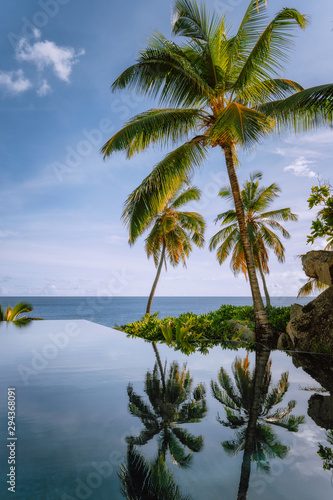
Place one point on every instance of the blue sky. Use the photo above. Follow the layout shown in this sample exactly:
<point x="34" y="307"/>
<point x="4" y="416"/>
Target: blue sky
<point x="60" y="203"/>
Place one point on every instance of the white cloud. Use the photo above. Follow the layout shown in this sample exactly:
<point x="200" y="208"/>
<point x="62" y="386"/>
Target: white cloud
<point x="14" y="82"/>
<point x="44" y="89"/>
<point x="46" y="53"/>
<point x="300" y="168"/>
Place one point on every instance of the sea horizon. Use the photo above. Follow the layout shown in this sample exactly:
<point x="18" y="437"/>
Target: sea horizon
<point x="119" y="310"/>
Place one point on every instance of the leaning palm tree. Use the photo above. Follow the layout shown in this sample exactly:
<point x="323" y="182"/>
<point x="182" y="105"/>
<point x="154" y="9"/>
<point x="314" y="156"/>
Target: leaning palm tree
<point x="173" y="402"/>
<point x="224" y="91"/>
<point x="260" y="223"/>
<point x="249" y="407"/>
<point x="14" y="313"/>
<point x="172" y="231"/>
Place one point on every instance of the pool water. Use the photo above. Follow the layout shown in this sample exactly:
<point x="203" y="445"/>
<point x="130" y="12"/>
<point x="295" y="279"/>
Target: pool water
<point x="98" y="414"/>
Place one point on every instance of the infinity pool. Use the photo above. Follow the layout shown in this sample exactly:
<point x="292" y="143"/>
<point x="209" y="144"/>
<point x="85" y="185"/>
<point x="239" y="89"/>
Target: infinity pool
<point x="96" y="415"/>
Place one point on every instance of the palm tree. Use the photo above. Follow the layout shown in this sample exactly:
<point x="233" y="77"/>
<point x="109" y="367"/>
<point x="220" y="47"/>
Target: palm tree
<point x="249" y="406"/>
<point x="13" y="313"/>
<point x="172" y="232"/>
<point x="260" y="225"/>
<point x="311" y="286"/>
<point x="172" y="402"/>
<point x="225" y="92"/>
<point x="142" y="479"/>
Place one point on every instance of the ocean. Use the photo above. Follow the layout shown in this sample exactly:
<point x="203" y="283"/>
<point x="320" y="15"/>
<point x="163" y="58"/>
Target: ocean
<point x="111" y="311"/>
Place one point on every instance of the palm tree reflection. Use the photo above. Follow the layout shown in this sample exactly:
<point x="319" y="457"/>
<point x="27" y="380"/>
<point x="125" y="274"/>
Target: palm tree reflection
<point x="250" y="406"/>
<point x="172" y="402"/>
<point x="142" y="479"/>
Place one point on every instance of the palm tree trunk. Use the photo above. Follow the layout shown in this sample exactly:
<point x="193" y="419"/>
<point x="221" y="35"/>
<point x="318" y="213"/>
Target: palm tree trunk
<point x="262" y="358"/>
<point x="159" y="362"/>
<point x="268" y="300"/>
<point x="159" y="269"/>
<point x="262" y="326"/>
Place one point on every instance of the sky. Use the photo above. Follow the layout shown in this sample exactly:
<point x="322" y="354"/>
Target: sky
<point x="60" y="203"/>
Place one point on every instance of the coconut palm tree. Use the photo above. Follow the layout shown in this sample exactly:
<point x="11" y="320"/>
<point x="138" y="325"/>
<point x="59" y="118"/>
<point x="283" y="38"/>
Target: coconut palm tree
<point x="173" y="401"/>
<point x="172" y="231"/>
<point x="14" y="313"/>
<point x="311" y="286"/>
<point x="148" y="480"/>
<point x="249" y="406"/>
<point x="260" y="224"/>
<point x="224" y="91"/>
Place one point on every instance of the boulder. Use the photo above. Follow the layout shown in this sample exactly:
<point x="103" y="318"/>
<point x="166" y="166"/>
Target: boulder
<point x="321" y="410"/>
<point x="319" y="264"/>
<point x="312" y="325"/>
<point x="244" y="333"/>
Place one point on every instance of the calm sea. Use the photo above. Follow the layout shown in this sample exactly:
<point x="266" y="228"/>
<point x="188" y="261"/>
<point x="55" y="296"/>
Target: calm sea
<point x="110" y="311"/>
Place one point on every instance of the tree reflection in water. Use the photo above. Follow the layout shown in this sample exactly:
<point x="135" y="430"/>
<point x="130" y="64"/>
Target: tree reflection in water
<point x="147" y="480"/>
<point x="172" y="402"/>
<point x="250" y="407"/>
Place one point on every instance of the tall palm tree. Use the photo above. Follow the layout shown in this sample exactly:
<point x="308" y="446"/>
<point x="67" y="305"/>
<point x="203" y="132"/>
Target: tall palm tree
<point x="173" y="401"/>
<point x="172" y="231"/>
<point x="249" y="406"/>
<point x="14" y="313"/>
<point x="148" y="480"/>
<point x="260" y="224"/>
<point x="224" y="91"/>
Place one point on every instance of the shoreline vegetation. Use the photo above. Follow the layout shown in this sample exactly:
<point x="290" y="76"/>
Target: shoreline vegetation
<point x="190" y="332"/>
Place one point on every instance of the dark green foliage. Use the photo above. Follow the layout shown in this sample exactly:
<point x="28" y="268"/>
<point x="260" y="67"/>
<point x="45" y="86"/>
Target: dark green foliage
<point x="201" y="331"/>
<point x="322" y="227"/>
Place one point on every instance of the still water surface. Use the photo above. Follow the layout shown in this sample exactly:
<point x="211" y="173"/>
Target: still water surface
<point x="91" y="402"/>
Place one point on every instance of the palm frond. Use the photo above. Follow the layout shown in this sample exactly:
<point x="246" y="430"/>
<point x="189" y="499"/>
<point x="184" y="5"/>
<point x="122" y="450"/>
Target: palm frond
<point x="270" y="48"/>
<point x="165" y="126"/>
<point x="238" y="123"/>
<point x="304" y="110"/>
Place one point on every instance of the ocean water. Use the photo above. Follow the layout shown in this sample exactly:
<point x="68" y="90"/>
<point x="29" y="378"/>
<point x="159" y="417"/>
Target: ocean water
<point x="110" y="311"/>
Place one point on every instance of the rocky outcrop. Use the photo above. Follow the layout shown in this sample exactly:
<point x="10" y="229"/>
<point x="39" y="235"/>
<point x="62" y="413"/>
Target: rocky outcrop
<point x="319" y="264"/>
<point x="312" y="325"/>
<point x="320" y="368"/>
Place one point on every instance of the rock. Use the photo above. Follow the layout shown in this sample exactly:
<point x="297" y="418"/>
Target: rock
<point x="284" y="343"/>
<point x="244" y="333"/>
<point x="321" y="410"/>
<point x="319" y="264"/>
<point x="320" y="368"/>
<point x="313" y="324"/>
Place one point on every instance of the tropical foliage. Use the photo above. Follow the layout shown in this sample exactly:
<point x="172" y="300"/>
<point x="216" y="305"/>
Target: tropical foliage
<point x="322" y="227"/>
<point x="172" y="231"/>
<point x="14" y="313"/>
<point x="260" y="223"/>
<point x="223" y="90"/>
<point x="238" y="402"/>
<point x="172" y="402"/>
<point x="204" y="330"/>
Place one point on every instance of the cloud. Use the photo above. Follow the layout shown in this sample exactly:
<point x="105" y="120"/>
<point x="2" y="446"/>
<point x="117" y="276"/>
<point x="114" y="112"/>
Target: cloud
<point x="44" y="89"/>
<point x="300" y="168"/>
<point x="14" y="82"/>
<point x="46" y="53"/>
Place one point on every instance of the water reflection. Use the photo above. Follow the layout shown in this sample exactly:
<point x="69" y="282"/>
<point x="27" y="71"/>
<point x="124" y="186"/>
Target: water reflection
<point x="320" y="407"/>
<point x="148" y="480"/>
<point x="250" y="406"/>
<point x="172" y="402"/>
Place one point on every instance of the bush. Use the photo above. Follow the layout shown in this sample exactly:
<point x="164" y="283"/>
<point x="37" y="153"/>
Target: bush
<point x="190" y="331"/>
